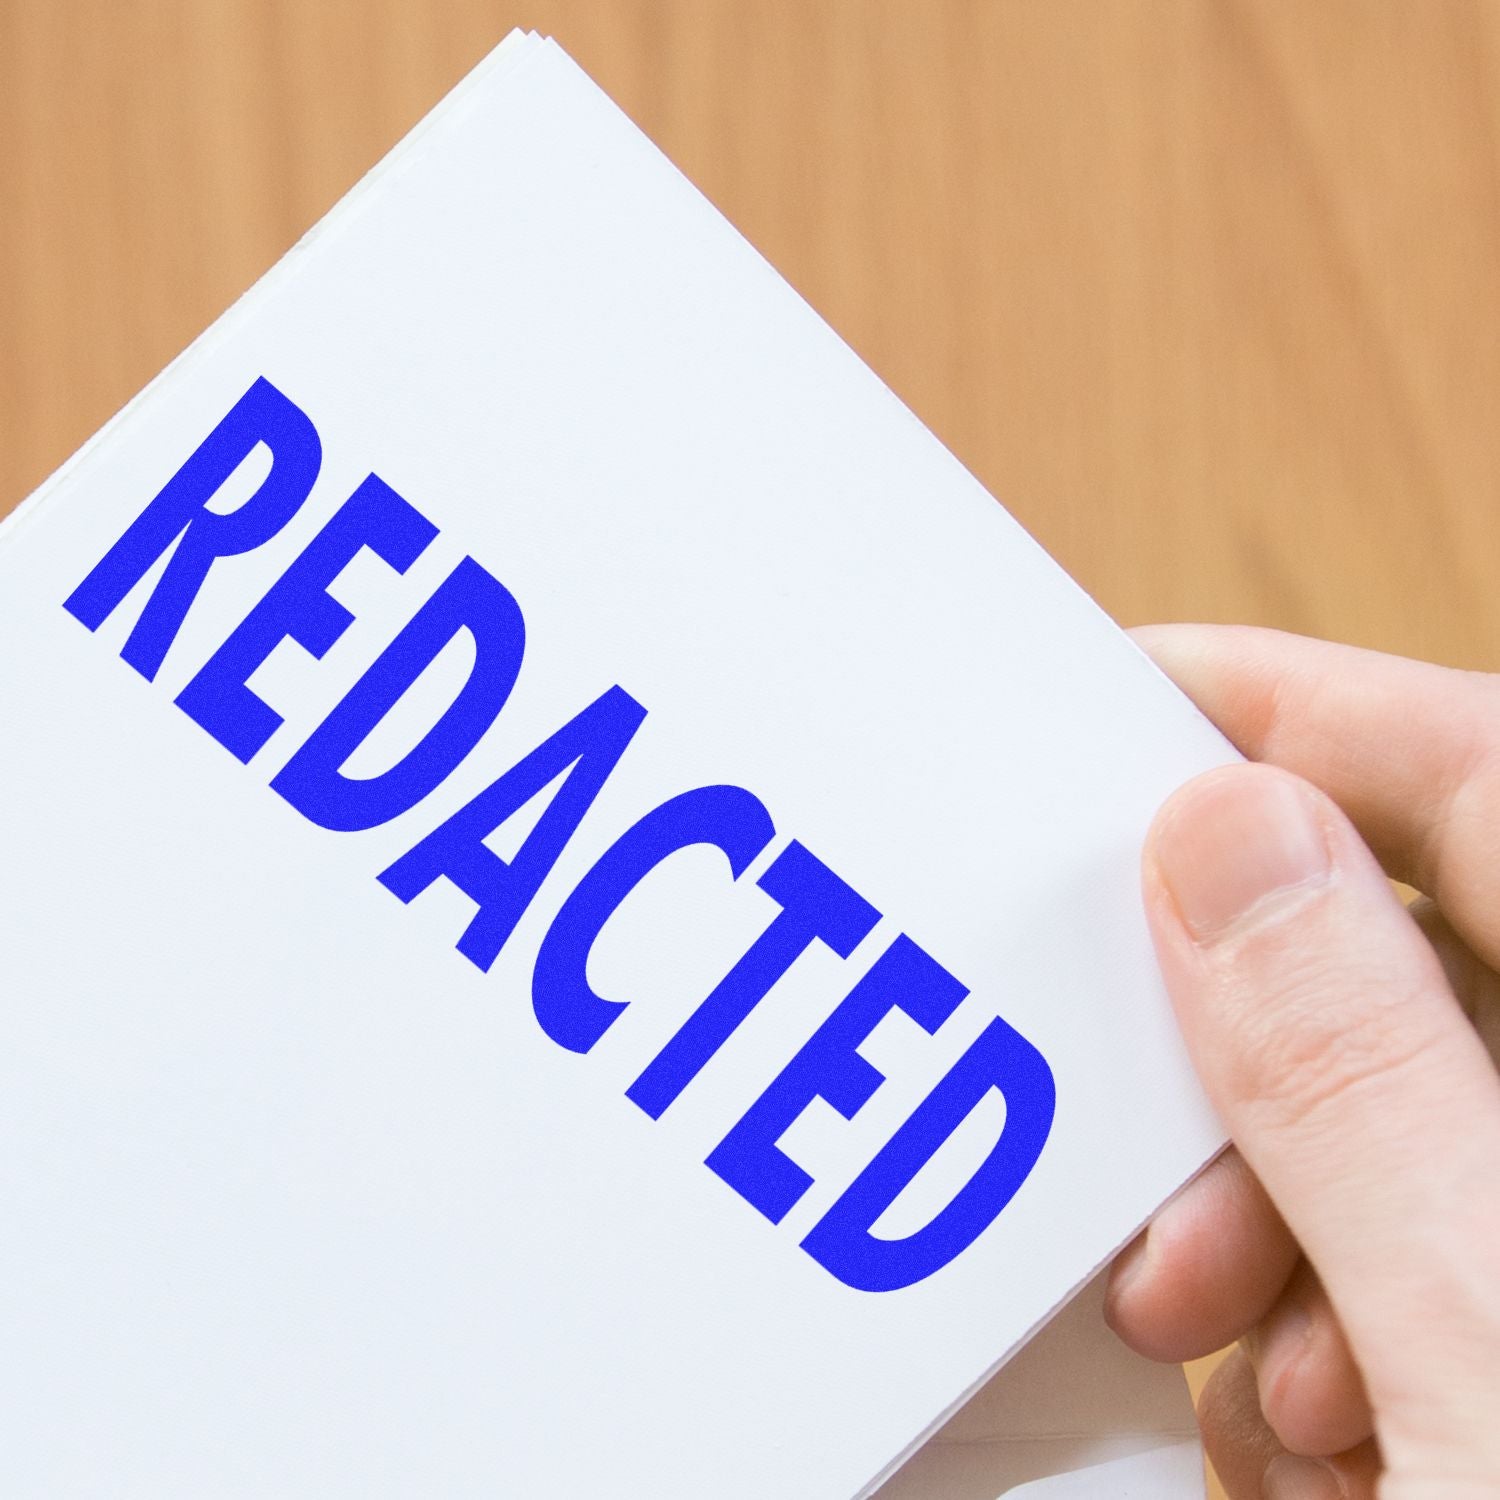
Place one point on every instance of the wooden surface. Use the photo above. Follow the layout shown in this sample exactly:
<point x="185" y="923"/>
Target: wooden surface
<point x="1208" y="293"/>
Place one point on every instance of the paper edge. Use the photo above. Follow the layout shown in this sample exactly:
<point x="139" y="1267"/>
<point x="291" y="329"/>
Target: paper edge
<point x="515" y="48"/>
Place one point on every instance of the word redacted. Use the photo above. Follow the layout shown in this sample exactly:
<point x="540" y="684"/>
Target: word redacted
<point x="570" y="766"/>
<point x="569" y="879"/>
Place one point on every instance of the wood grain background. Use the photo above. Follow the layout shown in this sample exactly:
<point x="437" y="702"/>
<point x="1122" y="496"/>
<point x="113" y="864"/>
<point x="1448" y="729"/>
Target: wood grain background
<point x="1207" y="291"/>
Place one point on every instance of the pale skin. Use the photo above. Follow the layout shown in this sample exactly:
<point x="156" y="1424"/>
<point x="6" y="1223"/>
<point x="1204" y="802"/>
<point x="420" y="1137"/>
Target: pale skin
<point x="1350" y="1239"/>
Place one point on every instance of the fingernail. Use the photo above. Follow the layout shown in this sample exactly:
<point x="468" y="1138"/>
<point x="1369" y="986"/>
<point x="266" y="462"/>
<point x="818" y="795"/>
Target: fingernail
<point x="1288" y="1477"/>
<point x="1233" y="843"/>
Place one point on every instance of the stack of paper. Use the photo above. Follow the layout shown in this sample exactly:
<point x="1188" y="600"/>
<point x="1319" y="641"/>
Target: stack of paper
<point x="569" y="895"/>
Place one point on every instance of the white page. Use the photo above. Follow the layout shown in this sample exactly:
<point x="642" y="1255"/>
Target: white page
<point x="1074" y="1413"/>
<point x="299" y="1200"/>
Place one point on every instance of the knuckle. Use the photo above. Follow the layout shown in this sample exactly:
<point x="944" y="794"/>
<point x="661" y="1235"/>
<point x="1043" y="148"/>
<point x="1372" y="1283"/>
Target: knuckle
<point x="1313" y="1398"/>
<point x="1311" y="1058"/>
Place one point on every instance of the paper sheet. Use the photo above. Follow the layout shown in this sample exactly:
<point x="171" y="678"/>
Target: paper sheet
<point x="1075" y="1416"/>
<point x="300" y="1198"/>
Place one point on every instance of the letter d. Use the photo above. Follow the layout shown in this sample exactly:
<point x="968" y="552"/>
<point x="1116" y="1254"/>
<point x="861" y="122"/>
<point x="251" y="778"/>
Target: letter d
<point x="1001" y="1059"/>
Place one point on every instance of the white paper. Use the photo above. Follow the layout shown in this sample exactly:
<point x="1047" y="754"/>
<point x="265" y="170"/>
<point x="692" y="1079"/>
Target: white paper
<point x="1074" y="1414"/>
<point x="301" y="1202"/>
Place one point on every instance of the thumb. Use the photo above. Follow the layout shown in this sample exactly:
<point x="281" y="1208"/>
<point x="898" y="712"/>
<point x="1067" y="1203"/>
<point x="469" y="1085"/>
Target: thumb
<point x="1327" y="1037"/>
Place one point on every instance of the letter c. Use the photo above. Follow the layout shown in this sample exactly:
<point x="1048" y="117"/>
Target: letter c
<point x="727" y="817"/>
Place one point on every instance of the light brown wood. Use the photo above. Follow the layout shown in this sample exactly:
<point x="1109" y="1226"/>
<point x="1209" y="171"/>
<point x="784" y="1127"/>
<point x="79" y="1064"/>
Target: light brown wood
<point x="1207" y="291"/>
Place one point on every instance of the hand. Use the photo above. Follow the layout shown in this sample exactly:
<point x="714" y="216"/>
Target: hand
<point x="1351" y="1237"/>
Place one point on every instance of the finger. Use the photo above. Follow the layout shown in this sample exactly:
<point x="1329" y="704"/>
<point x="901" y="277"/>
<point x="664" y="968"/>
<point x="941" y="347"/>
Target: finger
<point x="1475" y="984"/>
<point x="1251" y="1462"/>
<point x="1210" y="1266"/>
<point x="1236" y="1438"/>
<point x="1321" y="1024"/>
<point x="1409" y="750"/>
<point x="1311" y="1391"/>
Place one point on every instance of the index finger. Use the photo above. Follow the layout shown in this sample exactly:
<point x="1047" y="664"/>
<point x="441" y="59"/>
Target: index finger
<point x="1409" y="751"/>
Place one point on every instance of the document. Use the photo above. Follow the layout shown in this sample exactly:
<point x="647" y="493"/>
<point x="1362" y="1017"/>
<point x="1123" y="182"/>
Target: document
<point x="569" y="890"/>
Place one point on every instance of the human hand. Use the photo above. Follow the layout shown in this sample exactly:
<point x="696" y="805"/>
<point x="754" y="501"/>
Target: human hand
<point x="1351" y="1238"/>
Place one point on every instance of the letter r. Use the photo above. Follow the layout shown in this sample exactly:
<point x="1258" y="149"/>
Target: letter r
<point x="179" y="514"/>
